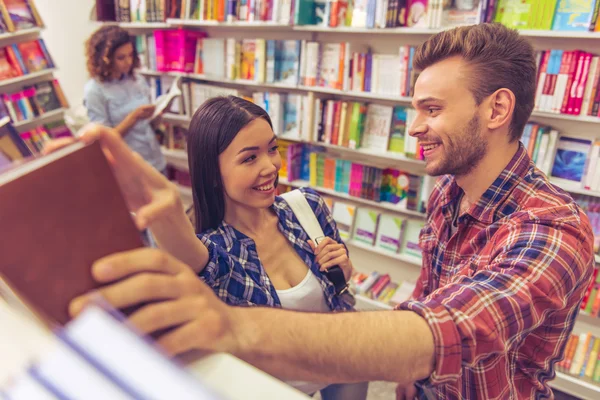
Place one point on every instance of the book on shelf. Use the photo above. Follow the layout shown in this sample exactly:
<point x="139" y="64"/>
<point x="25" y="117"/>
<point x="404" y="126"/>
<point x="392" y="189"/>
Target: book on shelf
<point x="18" y="15"/>
<point x="12" y="146"/>
<point x="33" y="101"/>
<point x="567" y="15"/>
<point x="93" y="221"/>
<point x="24" y="58"/>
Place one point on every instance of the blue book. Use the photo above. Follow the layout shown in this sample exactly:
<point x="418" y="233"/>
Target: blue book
<point x="571" y="157"/>
<point x="573" y="15"/>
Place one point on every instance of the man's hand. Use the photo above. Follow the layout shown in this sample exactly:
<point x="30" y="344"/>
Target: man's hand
<point x="329" y="253"/>
<point x="173" y="295"/>
<point x="406" y="392"/>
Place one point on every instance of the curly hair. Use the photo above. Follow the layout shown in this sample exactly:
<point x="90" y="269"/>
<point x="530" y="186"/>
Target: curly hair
<point x="100" y="49"/>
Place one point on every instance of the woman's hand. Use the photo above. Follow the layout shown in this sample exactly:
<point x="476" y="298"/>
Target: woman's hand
<point x="147" y="192"/>
<point x="170" y="295"/>
<point x="330" y="253"/>
<point x="144" y="112"/>
<point x="149" y="195"/>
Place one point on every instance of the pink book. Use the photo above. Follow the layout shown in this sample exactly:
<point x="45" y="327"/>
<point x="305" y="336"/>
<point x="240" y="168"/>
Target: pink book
<point x="576" y="80"/>
<point x="582" y="83"/>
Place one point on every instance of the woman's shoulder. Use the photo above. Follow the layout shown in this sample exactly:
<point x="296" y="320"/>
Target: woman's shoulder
<point x="92" y="84"/>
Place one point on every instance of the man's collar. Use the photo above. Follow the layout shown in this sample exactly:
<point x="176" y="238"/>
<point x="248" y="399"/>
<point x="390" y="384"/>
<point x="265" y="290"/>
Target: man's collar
<point x="485" y="208"/>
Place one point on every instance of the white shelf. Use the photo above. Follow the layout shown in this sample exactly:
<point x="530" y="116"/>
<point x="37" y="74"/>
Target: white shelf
<point x="343" y="29"/>
<point x="176" y="158"/>
<point x="182" y="120"/>
<point x="186" y="193"/>
<point x="566" y="117"/>
<point x="236" y="24"/>
<point x="574" y="188"/>
<point x="50" y="116"/>
<point x="366" y="304"/>
<point x="370" y="203"/>
<point x="597" y="258"/>
<point x="27" y="77"/>
<point x="372" y="154"/>
<point x="400" y="257"/>
<point x="17" y="35"/>
<point x="575" y="386"/>
<point x="144" y="25"/>
<point x="345" y="93"/>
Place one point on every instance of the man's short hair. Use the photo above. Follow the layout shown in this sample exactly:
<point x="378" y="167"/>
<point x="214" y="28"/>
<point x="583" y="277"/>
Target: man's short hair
<point x="498" y="57"/>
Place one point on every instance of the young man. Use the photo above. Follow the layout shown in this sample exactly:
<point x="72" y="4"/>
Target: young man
<point x="506" y="255"/>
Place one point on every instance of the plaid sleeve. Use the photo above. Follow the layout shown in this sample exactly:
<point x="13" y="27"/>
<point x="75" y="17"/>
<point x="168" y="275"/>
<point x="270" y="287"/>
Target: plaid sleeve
<point x="537" y="268"/>
<point x="215" y="268"/>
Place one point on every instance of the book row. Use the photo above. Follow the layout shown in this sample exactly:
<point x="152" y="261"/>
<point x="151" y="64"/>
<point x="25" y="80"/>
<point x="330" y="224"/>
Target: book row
<point x="565" y="15"/>
<point x="33" y="101"/>
<point x="24" y="58"/>
<point x="16" y="15"/>
<point x="380" y="287"/>
<point x="568" y="81"/>
<point x="582" y="357"/>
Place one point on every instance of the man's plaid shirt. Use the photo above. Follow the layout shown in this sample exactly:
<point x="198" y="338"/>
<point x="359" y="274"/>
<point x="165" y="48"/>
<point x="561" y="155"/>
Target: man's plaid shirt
<point x="501" y="295"/>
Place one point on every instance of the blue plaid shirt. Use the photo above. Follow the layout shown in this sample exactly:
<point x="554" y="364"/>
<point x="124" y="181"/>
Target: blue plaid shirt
<point x="234" y="270"/>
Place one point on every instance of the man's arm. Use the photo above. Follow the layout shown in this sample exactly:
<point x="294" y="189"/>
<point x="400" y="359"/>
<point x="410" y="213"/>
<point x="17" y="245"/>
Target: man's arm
<point x="394" y="346"/>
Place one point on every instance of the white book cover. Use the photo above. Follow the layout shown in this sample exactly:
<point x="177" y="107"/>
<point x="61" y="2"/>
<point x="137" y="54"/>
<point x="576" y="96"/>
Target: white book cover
<point x="541" y="155"/>
<point x="215" y="55"/>
<point x="550" y="153"/>
<point x="330" y="65"/>
<point x="410" y="237"/>
<point x="312" y="64"/>
<point x="359" y="14"/>
<point x="377" y="127"/>
<point x="365" y="226"/>
<point x="389" y="233"/>
<point x="343" y="215"/>
<point x="587" y="95"/>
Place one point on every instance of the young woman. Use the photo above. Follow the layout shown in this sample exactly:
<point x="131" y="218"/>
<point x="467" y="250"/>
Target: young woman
<point x="252" y="249"/>
<point x="116" y="97"/>
<point x="259" y="254"/>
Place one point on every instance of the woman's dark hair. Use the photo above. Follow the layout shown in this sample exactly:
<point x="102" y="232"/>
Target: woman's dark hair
<point x="100" y="49"/>
<point x="214" y="126"/>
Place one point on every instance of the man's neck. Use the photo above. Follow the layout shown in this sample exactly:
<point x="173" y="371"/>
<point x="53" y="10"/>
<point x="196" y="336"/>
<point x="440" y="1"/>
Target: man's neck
<point x="476" y="182"/>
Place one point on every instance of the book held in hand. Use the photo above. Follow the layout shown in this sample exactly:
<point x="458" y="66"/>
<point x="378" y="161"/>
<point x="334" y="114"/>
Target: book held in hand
<point x="60" y="213"/>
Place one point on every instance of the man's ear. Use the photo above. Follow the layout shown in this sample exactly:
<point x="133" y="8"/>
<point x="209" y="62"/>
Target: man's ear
<point x="500" y="108"/>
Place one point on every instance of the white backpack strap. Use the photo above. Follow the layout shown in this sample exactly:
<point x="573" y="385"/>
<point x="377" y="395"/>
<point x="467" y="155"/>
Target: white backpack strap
<point x="304" y="213"/>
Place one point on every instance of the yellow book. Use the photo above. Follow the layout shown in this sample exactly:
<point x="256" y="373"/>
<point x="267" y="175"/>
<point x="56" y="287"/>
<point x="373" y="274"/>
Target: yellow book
<point x="313" y="169"/>
<point x="591" y="364"/>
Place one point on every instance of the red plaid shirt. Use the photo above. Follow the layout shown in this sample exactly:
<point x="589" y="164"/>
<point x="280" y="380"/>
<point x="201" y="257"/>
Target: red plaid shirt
<point x="501" y="295"/>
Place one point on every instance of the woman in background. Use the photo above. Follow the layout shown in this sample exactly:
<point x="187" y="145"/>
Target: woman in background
<point x="118" y="98"/>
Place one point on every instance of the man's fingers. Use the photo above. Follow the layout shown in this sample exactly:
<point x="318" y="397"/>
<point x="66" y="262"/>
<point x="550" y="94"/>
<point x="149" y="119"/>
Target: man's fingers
<point x="120" y="265"/>
<point x="56" y="144"/>
<point x="154" y="317"/>
<point x="135" y="290"/>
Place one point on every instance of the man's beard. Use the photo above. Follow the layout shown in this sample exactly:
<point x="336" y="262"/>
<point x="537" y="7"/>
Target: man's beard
<point x="463" y="152"/>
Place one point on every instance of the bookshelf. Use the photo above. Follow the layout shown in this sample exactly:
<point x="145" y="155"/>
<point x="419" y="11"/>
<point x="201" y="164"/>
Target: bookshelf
<point x="381" y="41"/>
<point x="31" y="95"/>
<point x="45" y="118"/>
<point x="538" y="115"/>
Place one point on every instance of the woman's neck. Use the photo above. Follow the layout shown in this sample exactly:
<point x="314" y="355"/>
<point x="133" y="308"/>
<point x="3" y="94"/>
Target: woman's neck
<point x="250" y="221"/>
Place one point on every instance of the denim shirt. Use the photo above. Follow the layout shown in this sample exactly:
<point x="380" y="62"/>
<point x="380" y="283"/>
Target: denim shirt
<point x="109" y="103"/>
<point x="234" y="270"/>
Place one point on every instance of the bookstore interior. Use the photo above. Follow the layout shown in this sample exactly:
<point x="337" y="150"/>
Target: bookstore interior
<point x="336" y="79"/>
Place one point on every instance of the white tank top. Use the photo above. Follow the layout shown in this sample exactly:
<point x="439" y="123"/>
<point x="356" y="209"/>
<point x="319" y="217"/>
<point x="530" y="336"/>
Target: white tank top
<point x="306" y="296"/>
